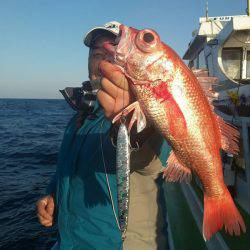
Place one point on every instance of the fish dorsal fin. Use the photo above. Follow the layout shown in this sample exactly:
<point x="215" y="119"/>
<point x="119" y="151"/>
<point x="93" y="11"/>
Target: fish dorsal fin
<point x="200" y="72"/>
<point x="207" y="83"/>
<point x="229" y="136"/>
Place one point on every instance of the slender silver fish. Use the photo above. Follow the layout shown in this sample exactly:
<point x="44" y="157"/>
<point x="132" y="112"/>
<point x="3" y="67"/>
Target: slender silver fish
<point x="122" y="176"/>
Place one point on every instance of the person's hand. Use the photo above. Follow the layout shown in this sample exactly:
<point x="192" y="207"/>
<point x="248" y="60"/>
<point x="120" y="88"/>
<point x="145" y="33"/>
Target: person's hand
<point x="45" y="210"/>
<point x="114" y="94"/>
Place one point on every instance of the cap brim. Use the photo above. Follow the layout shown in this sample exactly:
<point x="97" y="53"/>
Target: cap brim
<point x="92" y="34"/>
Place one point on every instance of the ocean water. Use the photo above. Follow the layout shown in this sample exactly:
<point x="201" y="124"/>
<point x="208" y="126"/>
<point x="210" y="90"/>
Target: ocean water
<point x="30" y="135"/>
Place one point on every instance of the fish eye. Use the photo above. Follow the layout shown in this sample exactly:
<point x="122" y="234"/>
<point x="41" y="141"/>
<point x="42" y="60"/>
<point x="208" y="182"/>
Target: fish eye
<point x="147" y="40"/>
<point x="148" y="37"/>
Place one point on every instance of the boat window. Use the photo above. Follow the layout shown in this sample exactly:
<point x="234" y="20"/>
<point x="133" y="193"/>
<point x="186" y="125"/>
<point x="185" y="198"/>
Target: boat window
<point x="248" y="64"/>
<point x="231" y="59"/>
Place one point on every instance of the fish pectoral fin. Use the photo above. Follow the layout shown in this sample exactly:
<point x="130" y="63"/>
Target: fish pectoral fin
<point x="137" y="116"/>
<point x="176" y="171"/>
<point x="229" y="136"/>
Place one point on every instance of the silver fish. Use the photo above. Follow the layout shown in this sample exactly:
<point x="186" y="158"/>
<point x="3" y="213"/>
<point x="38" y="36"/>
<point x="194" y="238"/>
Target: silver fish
<point x="122" y="176"/>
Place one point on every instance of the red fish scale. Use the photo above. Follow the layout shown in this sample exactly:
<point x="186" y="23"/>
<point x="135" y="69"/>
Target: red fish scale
<point x="193" y="151"/>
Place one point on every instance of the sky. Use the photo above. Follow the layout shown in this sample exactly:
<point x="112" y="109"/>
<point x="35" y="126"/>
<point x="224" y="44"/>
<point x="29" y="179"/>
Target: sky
<point x="41" y="48"/>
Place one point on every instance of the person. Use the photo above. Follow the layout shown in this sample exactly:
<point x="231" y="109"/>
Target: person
<point x="83" y="191"/>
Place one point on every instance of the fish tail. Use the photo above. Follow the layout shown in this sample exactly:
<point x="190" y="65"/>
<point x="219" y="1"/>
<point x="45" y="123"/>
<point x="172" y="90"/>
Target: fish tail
<point x="221" y="211"/>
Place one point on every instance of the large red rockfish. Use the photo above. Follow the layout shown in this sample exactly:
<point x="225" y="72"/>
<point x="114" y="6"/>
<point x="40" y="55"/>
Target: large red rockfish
<point x="170" y="96"/>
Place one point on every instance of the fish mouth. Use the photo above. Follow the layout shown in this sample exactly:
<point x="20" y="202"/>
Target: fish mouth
<point x="113" y="49"/>
<point x="119" y="58"/>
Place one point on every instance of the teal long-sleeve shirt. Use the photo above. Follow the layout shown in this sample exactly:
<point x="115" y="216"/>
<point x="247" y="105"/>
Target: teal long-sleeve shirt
<point x="85" y="215"/>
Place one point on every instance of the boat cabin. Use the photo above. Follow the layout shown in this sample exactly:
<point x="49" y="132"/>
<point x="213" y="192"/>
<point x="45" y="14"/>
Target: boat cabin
<point x="222" y="45"/>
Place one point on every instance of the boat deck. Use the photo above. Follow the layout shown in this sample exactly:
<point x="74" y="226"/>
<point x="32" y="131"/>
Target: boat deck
<point x="185" y="228"/>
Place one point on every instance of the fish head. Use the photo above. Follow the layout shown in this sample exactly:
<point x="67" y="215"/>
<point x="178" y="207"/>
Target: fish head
<point x="140" y="54"/>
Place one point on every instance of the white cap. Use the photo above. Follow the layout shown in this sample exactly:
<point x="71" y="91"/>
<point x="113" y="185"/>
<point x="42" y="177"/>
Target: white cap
<point x="110" y="28"/>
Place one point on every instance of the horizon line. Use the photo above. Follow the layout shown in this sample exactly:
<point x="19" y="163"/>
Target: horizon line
<point x="35" y="98"/>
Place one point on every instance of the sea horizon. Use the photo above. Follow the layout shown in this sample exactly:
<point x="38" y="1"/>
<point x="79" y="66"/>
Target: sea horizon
<point x="28" y="98"/>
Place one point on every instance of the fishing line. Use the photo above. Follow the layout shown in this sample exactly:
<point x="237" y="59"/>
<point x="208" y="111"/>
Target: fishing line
<point x="123" y="117"/>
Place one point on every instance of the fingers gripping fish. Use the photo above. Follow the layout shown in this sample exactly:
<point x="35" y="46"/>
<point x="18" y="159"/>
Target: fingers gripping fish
<point x="170" y="96"/>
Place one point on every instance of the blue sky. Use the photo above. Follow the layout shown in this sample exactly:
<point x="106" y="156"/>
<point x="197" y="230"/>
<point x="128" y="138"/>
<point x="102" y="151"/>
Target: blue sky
<point x="41" y="49"/>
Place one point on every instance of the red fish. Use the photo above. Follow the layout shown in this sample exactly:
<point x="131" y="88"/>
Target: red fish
<point x="170" y="96"/>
